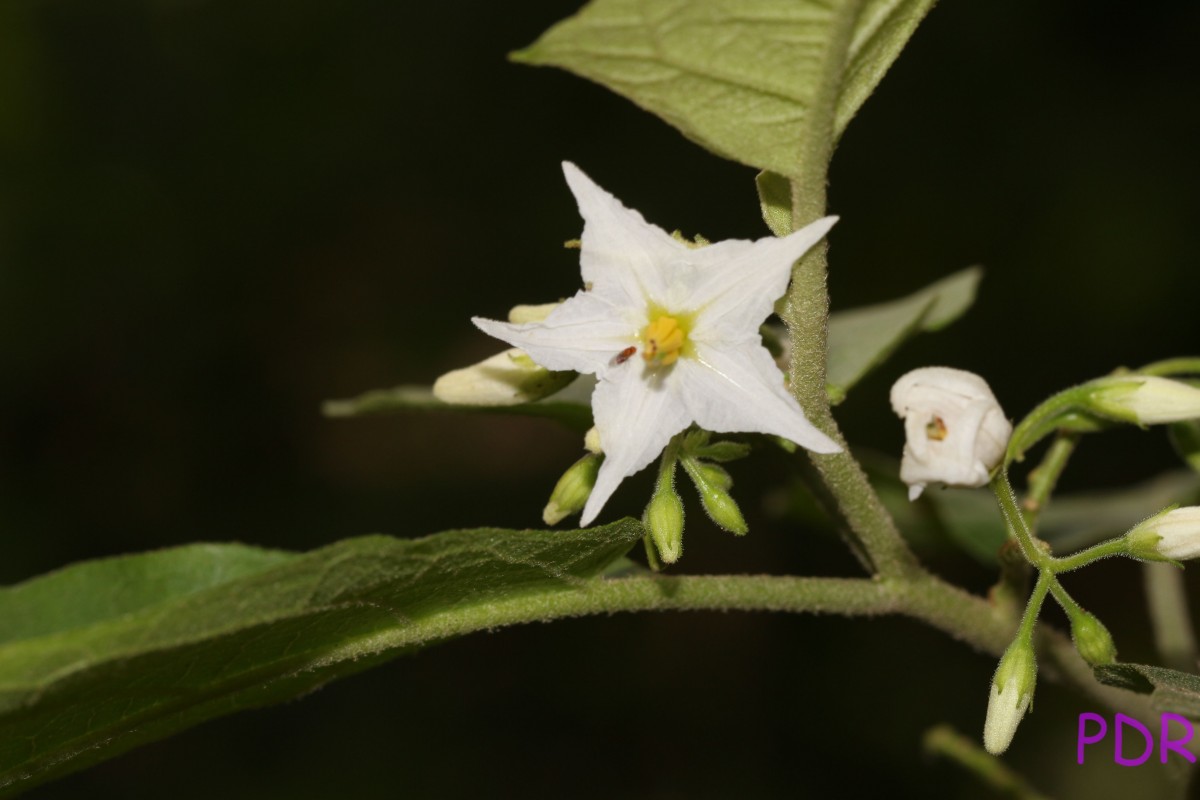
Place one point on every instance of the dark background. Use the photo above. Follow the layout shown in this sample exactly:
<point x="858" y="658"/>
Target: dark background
<point x="215" y="214"/>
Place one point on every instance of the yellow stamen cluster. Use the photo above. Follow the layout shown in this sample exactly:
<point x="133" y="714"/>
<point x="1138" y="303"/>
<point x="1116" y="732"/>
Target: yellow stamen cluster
<point x="663" y="340"/>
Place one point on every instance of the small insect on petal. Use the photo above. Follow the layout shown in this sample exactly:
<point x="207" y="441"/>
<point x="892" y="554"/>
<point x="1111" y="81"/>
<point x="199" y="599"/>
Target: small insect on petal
<point x="623" y="356"/>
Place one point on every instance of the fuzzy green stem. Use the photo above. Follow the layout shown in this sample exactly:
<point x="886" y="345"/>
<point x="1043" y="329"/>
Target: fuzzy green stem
<point x="1034" y="608"/>
<point x="927" y="599"/>
<point x="1064" y="599"/>
<point x="806" y="314"/>
<point x="1034" y="552"/>
<point x="1113" y="547"/>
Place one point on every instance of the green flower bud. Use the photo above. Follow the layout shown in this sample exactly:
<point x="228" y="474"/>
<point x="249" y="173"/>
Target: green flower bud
<point x="1092" y="639"/>
<point x="572" y="490"/>
<point x="724" y="451"/>
<point x="506" y="379"/>
<point x="713" y="484"/>
<point x="1012" y="691"/>
<point x="1144" y="399"/>
<point x="1172" y="535"/>
<point x="664" y="519"/>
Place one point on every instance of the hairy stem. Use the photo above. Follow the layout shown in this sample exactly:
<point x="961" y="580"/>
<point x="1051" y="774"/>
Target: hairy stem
<point x="806" y="313"/>
<point x="926" y="598"/>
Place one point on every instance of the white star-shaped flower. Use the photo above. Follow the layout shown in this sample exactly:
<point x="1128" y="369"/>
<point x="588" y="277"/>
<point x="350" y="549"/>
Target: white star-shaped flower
<point x="671" y="334"/>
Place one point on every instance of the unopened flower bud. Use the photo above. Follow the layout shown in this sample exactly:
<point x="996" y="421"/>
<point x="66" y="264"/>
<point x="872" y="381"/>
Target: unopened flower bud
<point x="663" y="517"/>
<point x="572" y="490"/>
<point x="506" y="379"/>
<point x="591" y="441"/>
<point x="1173" y="535"/>
<point x="1092" y="639"/>
<point x="1012" y="691"/>
<point x="713" y="484"/>
<point x="723" y="451"/>
<point x="955" y="430"/>
<point x="1144" y="399"/>
<point x="526" y="313"/>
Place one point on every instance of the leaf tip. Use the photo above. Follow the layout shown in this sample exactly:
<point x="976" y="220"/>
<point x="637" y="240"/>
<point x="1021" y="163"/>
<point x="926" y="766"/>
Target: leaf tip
<point x="526" y="55"/>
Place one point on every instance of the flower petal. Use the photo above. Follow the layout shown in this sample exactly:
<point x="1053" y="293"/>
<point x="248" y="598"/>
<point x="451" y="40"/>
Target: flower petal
<point x="623" y="258"/>
<point x="739" y="281"/>
<point x="636" y="415"/>
<point x="583" y="334"/>
<point x="739" y="388"/>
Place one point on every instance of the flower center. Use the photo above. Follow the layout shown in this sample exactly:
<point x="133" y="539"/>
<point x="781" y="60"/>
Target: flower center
<point x="664" y="339"/>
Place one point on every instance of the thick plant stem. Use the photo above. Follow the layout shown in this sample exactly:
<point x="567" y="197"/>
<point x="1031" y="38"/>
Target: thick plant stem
<point x="927" y="599"/>
<point x="806" y="313"/>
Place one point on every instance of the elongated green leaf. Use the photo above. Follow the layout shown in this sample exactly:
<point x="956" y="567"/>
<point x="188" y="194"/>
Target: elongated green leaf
<point x="863" y="338"/>
<point x="1169" y="690"/>
<point x="567" y="410"/>
<point x="738" y="78"/>
<point x="114" y="655"/>
<point x="67" y="599"/>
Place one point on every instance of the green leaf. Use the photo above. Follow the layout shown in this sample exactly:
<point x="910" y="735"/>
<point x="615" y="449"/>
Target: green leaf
<point x="775" y="199"/>
<point x="114" y="653"/>
<point x="560" y="407"/>
<point x="863" y="338"/>
<point x="737" y="78"/>
<point x="1169" y="690"/>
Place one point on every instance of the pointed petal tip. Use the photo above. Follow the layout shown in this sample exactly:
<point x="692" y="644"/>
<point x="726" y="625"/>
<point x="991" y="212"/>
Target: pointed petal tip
<point x="825" y="446"/>
<point x="577" y="179"/>
<point x="483" y="323"/>
<point x="821" y="226"/>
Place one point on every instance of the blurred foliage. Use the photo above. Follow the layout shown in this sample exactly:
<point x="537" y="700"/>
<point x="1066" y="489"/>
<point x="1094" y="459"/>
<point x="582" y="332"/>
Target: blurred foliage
<point x="216" y="214"/>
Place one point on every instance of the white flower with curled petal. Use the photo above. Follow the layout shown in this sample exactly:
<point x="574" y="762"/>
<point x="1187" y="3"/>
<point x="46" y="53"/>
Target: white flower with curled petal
<point x="671" y="334"/>
<point x="955" y="430"/>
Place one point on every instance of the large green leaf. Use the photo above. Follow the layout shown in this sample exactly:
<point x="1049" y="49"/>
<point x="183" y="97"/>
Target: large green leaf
<point x="109" y="654"/>
<point x="863" y="338"/>
<point x="1169" y="690"/>
<point x="739" y="78"/>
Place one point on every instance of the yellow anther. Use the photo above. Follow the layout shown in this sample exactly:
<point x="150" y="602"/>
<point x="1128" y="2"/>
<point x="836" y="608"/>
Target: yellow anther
<point x="662" y="340"/>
